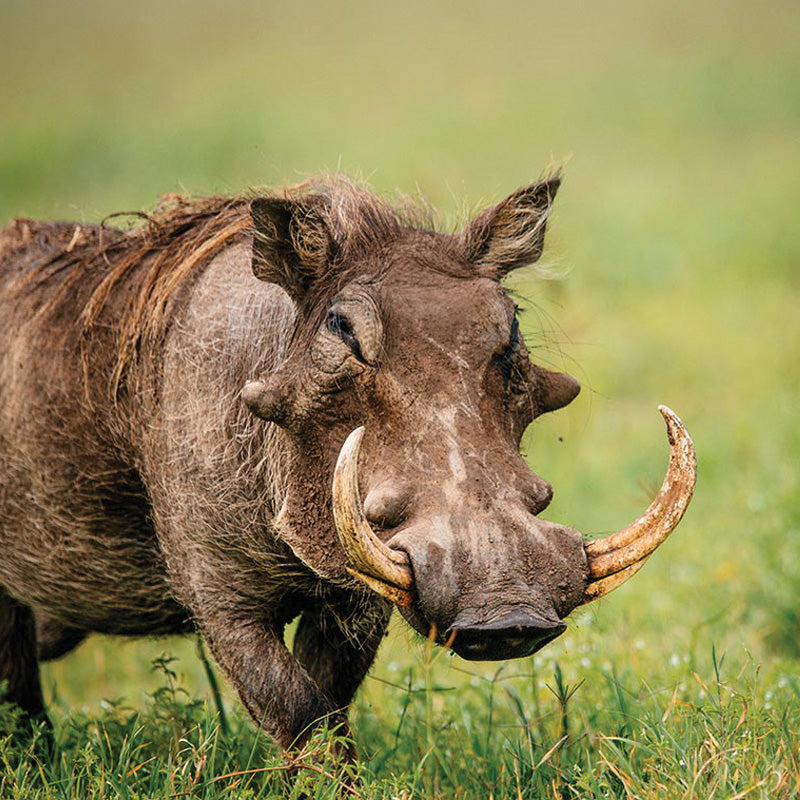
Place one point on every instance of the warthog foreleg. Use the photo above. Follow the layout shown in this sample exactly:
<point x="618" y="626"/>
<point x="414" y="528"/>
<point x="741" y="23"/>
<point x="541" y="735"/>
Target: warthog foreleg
<point x="19" y="666"/>
<point x="337" y="659"/>
<point x="275" y="689"/>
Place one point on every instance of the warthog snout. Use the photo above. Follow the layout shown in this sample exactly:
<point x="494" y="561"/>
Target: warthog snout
<point x="491" y="588"/>
<point x="491" y="579"/>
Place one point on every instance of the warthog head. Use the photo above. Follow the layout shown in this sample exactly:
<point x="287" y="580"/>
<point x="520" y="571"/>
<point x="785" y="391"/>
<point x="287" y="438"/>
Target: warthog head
<point x="408" y="372"/>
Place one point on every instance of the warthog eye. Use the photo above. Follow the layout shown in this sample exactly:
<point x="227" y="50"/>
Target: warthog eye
<point x="338" y="324"/>
<point x="504" y="361"/>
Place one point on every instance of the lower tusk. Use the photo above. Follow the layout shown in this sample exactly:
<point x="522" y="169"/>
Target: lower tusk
<point x="385" y="570"/>
<point x="612" y="560"/>
<point x="399" y="596"/>
<point x="601" y="586"/>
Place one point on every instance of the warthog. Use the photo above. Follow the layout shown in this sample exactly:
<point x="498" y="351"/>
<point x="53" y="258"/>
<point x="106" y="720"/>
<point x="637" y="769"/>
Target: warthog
<point x="192" y="410"/>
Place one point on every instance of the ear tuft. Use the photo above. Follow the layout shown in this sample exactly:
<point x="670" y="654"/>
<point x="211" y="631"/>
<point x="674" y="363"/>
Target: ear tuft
<point x="511" y="234"/>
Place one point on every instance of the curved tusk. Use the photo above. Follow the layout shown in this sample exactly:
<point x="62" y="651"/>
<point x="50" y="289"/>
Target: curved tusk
<point x="615" y="558"/>
<point x="384" y="570"/>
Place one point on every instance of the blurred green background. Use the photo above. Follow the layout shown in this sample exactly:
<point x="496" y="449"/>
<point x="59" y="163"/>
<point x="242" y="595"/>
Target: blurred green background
<point x="672" y="270"/>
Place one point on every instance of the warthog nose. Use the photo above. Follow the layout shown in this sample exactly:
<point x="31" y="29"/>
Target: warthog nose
<point x="513" y="635"/>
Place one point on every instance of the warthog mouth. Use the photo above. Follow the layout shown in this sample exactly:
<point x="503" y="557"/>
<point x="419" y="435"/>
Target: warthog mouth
<point x="611" y="560"/>
<point x="515" y="634"/>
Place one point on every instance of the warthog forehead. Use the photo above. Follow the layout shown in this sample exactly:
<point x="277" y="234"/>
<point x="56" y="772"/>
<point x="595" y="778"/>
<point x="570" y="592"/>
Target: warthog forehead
<point x="456" y="318"/>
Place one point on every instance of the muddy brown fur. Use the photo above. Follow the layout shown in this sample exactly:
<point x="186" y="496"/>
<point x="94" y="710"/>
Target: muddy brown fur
<point x="140" y="495"/>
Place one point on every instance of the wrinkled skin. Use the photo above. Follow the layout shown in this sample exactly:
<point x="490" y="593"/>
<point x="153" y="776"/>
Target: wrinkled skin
<point x="159" y="501"/>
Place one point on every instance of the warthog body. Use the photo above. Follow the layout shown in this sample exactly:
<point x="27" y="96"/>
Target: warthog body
<point x="141" y="494"/>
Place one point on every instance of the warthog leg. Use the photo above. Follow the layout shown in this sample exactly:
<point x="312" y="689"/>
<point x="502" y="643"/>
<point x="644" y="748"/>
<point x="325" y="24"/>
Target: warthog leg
<point x="338" y="660"/>
<point x="280" y="695"/>
<point x="19" y="666"/>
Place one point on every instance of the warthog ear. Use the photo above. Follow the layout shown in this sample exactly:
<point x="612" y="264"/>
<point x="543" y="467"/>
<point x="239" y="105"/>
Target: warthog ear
<point x="291" y="243"/>
<point x="511" y="234"/>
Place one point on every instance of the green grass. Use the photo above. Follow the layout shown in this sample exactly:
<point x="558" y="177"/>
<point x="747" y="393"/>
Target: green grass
<point x="676" y="239"/>
<point x="704" y="726"/>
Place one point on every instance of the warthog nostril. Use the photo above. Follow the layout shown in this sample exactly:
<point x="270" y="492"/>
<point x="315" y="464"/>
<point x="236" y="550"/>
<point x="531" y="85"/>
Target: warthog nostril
<point x="386" y="506"/>
<point x="516" y="634"/>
